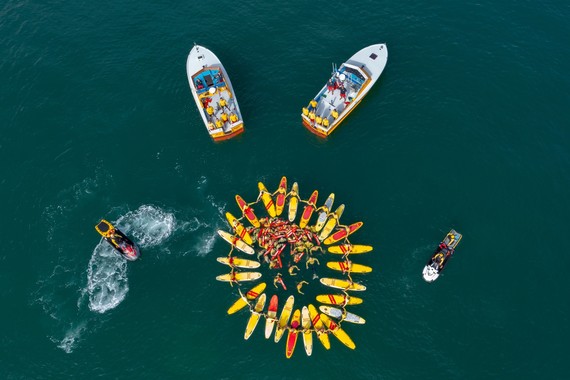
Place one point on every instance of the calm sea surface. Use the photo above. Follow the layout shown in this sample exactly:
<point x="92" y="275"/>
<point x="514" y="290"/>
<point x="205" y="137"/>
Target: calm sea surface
<point x="467" y="128"/>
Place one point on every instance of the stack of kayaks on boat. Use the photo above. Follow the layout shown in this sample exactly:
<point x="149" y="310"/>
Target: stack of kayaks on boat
<point x="324" y="225"/>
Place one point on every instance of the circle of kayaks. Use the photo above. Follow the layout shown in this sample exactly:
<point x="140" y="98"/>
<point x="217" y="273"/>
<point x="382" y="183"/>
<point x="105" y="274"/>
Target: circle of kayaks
<point x="303" y="320"/>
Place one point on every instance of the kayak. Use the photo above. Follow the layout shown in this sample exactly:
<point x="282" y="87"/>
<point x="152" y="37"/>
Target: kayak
<point x="338" y="299"/>
<point x="344" y="267"/>
<point x="331" y="223"/>
<point x="280" y="199"/>
<point x="240" y="276"/>
<point x="247" y="212"/>
<point x="337" y="313"/>
<point x="236" y="242"/>
<point x="252" y="294"/>
<point x="240" y="263"/>
<point x="338" y="332"/>
<point x="239" y="229"/>
<point x="441" y="256"/>
<point x="118" y="240"/>
<point x="293" y="202"/>
<point x="319" y="327"/>
<point x="267" y="200"/>
<point x="271" y="314"/>
<point x="342" y="284"/>
<point x="308" y="210"/>
<point x="284" y="318"/>
<point x="254" y="317"/>
<point x="343" y="233"/>
<point x="307" y="333"/>
<point x="326" y="208"/>
<point x="349" y="248"/>
<point x="293" y="334"/>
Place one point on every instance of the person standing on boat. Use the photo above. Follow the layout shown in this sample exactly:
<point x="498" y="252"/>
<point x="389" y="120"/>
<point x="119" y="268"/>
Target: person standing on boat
<point x="312" y="105"/>
<point x="343" y="92"/>
<point x="331" y="85"/>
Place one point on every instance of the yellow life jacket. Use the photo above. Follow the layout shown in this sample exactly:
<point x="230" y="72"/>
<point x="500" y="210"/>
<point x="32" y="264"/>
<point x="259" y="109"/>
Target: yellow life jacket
<point x="319" y="120"/>
<point x="224" y="117"/>
<point x="219" y="123"/>
<point x="233" y="118"/>
<point x="325" y="122"/>
<point x="222" y="102"/>
<point x="305" y="111"/>
<point x="312" y="115"/>
<point x="313" y="103"/>
<point x="334" y="114"/>
<point x="210" y="110"/>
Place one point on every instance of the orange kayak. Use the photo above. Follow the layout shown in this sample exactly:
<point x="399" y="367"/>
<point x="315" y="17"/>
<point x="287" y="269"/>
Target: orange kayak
<point x="247" y="211"/>
<point x="308" y="211"/>
<point x="293" y="334"/>
<point x="341" y="234"/>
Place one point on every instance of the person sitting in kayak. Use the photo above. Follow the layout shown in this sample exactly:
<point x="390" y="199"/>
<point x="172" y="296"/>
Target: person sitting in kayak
<point x="278" y="280"/>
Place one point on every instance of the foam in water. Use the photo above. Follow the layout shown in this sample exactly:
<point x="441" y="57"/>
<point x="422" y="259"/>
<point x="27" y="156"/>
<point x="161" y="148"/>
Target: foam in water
<point x="107" y="281"/>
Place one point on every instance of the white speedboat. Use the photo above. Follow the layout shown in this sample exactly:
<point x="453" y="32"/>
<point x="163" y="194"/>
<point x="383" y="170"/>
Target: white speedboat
<point x="441" y="256"/>
<point x="214" y="94"/>
<point x="345" y="89"/>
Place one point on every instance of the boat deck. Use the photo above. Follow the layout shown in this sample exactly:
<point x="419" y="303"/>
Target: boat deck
<point x="217" y="101"/>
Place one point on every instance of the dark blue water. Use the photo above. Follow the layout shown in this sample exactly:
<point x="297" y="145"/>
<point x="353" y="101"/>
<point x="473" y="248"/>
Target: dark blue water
<point x="467" y="128"/>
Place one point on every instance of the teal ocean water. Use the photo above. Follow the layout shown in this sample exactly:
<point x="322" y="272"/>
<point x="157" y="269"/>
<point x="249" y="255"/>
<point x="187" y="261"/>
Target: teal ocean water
<point x="467" y="128"/>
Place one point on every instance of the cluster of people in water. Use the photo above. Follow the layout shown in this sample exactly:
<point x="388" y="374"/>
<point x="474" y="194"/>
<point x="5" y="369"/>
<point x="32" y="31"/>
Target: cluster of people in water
<point x="274" y="236"/>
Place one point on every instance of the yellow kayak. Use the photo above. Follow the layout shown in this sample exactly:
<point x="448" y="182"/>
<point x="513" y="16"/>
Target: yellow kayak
<point x="240" y="263"/>
<point x="284" y="318"/>
<point x="236" y="242"/>
<point x="252" y="294"/>
<point x="239" y="229"/>
<point x="281" y="193"/>
<point x="267" y="200"/>
<point x="338" y="299"/>
<point x="240" y="276"/>
<point x="307" y="333"/>
<point x="324" y="214"/>
<point x="349" y="248"/>
<point x="338" y="332"/>
<point x="308" y="210"/>
<point x="293" y="202"/>
<point x="293" y="334"/>
<point x="254" y="317"/>
<point x="331" y="223"/>
<point x="350" y="267"/>
<point x="319" y="327"/>
<point x="342" y="284"/>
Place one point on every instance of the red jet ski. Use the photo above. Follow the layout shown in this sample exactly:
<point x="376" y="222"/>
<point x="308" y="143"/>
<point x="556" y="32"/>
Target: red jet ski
<point x="118" y="240"/>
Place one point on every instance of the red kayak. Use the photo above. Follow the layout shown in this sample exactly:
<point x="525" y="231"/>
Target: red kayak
<point x="308" y="211"/>
<point x="280" y="200"/>
<point x="293" y="334"/>
<point x="341" y="234"/>
<point x="247" y="211"/>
